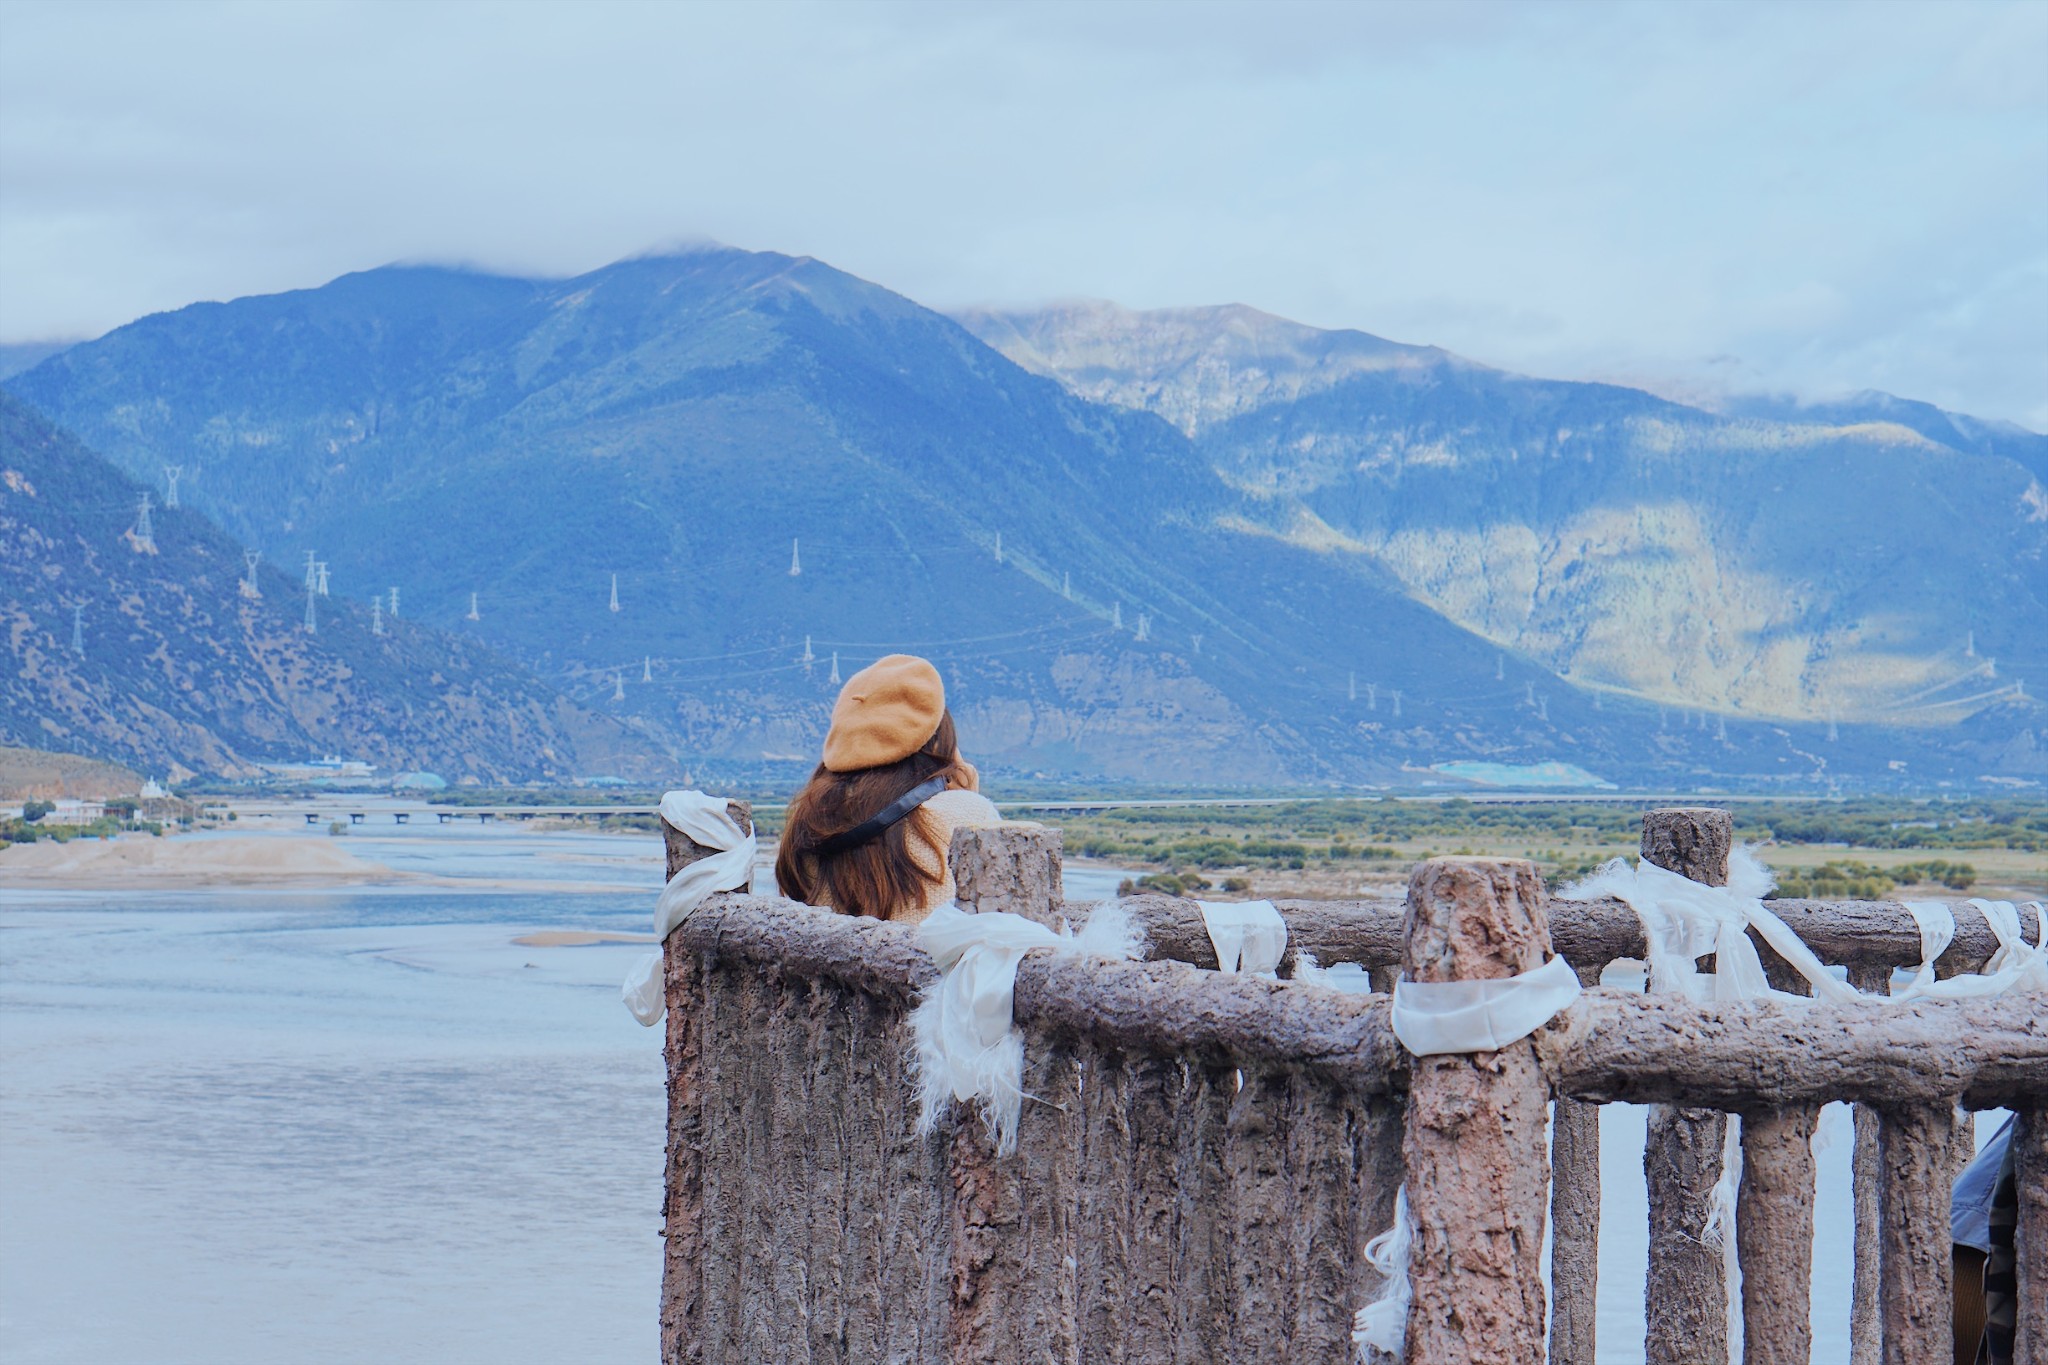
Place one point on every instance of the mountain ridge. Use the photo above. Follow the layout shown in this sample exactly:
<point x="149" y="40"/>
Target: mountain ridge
<point x="1535" y="512"/>
<point x="1105" y="594"/>
<point x="150" y="650"/>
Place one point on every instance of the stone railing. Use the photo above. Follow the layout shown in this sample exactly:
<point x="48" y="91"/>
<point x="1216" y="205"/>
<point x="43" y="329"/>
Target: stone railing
<point x="1202" y="1157"/>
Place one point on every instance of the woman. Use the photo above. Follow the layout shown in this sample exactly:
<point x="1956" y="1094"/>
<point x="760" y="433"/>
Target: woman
<point x="869" y="833"/>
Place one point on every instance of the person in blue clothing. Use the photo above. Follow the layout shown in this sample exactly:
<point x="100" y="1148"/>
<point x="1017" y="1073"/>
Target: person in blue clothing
<point x="1982" y="1215"/>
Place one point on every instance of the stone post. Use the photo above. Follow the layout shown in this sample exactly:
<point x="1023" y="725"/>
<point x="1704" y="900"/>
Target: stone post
<point x="1010" y="1217"/>
<point x="1915" y="1266"/>
<point x="1866" y="1332"/>
<point x="1574" y="1225"/>
<point x="1686" y="1295"/>
<point x="2030" y="1236"/>
<point x="1774" y="1235"/>
<point x="1477" y="1173"/>
<point x="1012" y="867"/>
<point x="682" y="1229"/>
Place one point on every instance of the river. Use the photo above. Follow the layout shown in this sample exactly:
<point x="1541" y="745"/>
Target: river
<point x="366" y="1126"/>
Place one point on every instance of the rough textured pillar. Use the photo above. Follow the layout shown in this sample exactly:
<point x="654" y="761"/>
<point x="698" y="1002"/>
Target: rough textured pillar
<point x="1686" y="1293"/>
<point x="1866" y="1330"/>
<point x="1574" y="1225"/>
<point x="1916" y="1271"/>
<point x="1866" y="1326"/>
<point x="1774" y="1236"/>
<point x="1475" y="1135"/>
<point x="682" y="1228"/>
<point x="2030" y="1151"/>
<point x="1003" y="1238"/>
<point x="1013" y="867"/>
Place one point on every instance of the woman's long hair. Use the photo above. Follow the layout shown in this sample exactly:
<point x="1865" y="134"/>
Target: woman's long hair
<point x="878" y="877"/>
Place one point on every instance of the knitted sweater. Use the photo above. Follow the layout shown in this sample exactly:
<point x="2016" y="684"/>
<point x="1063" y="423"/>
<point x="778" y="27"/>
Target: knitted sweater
<point x="931" y="836"/>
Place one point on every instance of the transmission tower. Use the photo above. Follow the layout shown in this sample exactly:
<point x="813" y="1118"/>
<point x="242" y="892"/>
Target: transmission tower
<point x="1067" y="586"/>
<point x="647" y="668"/>
<point x="1372" y="696"/>
<point x="1500" y="667"/>
<point x="145" y="538"/>
<point x="809" y="658"/>
<point x="249" y="589"/>
<point x="172" y="473"/>
<point x="1543" y="709"/>
<point x="615" y="592"/>
<point x="311" y="576"/>
<point x="1721" y="728"/>
<point x="835" y="667"/>
<point x="1354" y="687"/>
<point x="999" y="547"/>
<point x="376" y="616"/>
<point x="394" y="604"/>
<point x="1144" y="626"/>
<point x="1116" y="616"/>
<point x="323" y="578"/>
<point x="473" y="616"/>
<point x="1528" y="694"/>
<point x="312" y="617"/>
<point x="1970" y="646"/>
<point x="619" y="685"/>
<point x="1833" y="733"/>
<point x="796" y="564"/>
<point x="1198" y="643"/>
<point x="78" y="630"/>
<point x="1397" y="704"/>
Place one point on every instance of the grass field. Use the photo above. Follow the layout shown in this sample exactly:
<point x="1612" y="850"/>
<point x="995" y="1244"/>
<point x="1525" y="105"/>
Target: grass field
<point x="1858" y="850"/>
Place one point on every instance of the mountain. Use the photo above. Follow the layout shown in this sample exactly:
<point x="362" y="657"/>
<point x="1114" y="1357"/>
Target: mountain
<point x="1879" y="560"/>
<point x="16" y="356"/>
<point x="1955" y="430"/>
<point x="773" y="468"/>
<point x="147" y="650"/>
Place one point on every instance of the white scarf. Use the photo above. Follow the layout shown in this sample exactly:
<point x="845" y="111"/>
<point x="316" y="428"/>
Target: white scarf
<point x="705" y="820"/>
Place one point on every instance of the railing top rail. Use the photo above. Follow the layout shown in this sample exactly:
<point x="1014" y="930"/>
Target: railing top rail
<point x="1589" y="934"/>
<point x="1162" y="1007"/>
<point x="1612" y="1045"/>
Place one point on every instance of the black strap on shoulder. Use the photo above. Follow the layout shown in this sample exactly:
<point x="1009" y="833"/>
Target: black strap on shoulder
<point x="874" y="826"/>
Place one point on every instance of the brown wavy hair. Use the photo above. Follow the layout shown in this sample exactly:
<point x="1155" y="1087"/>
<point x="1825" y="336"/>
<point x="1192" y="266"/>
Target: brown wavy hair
<point x="878" y="877"/>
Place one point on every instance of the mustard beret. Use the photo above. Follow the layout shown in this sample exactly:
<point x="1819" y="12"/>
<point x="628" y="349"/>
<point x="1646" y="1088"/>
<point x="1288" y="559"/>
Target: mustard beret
<point x="885" y="713"/>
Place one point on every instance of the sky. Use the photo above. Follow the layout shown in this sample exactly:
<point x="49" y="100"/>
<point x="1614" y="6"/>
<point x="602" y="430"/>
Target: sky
<point x="1701" y="199"/>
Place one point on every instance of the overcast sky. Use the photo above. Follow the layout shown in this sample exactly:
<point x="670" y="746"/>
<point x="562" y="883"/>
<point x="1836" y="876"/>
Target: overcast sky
<point x="1802" y="198"/>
